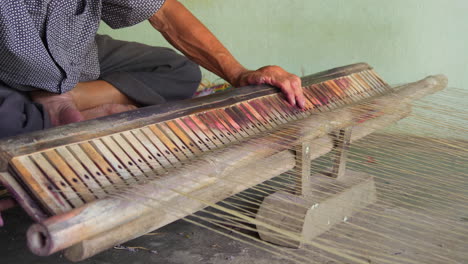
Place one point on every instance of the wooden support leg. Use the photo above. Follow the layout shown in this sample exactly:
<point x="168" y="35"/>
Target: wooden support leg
<point x="303" y="155"/>
<point x="320" y="201"/>
<point x="341" y="142"/>
<point x="302" y="218"/>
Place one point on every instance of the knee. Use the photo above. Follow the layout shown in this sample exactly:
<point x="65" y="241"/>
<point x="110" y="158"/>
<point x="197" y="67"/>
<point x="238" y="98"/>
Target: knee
<point x="193" y="75"/>
<point x="16" y="124"/>
<point x="186" y="76"/>
<point x="193" y="71"/>
<point x="19" y="117"/>
<point x="180" y="65"/>
<point x="11" y="124"/>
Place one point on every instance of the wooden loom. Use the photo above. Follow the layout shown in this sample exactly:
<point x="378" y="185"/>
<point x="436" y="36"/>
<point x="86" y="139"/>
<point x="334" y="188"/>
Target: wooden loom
<point x="102" y="182"/>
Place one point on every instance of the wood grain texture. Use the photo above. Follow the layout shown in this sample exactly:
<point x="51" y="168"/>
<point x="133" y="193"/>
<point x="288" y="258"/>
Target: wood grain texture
<point x="23" y="198"/>
<point x="162" y="215"/>
<point x="73" y="133"/>
<point x="100" y="216"/>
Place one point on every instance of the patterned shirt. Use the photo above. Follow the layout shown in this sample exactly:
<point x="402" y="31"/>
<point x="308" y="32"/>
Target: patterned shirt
<point x="49" y="44"/>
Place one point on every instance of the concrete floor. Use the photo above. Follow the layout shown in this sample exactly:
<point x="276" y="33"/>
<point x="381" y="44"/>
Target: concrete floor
<point x="182" y="242"/>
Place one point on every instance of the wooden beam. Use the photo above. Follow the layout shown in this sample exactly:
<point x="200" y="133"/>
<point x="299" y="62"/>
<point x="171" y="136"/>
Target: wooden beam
<point x="251" y="175"/>
<point x="305" y="217"/>
<point x="77" y="132"/>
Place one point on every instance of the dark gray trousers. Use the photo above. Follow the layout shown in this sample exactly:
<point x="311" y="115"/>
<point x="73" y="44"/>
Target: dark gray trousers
<point x="148" y="75"/>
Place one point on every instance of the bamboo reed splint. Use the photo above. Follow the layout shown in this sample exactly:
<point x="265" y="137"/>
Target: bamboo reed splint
<point x="100" y="183"/>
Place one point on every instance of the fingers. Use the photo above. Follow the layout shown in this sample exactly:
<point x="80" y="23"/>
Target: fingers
<point x="298" y="93"/>
<point x="288" y="91"/>
<point x="292" y="89"/>
<point x="289" y="84"/>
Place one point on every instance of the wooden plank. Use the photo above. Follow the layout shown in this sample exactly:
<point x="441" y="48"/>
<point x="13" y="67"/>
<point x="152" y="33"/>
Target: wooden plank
<point x="82" y="172"/>
<point x="144" y="155"/>
<point x="194" y="136"/>
<point x="207" y="133"/>
<point x="213" y="125"/>
<point x="103" y="170"/>
<point x="30" y="205"/>
<point x="262" y="120"/>
<point x="136" y="159"/>
<point x="64" y="186"/>
<point x="254" y="122"/>
<point x="236" y="128"/>
<point x="163" y="150"/>
<point x="50" y="195"/>
<point x="118" y="167"/>
<point x="223" y="129"/>
<point x="175" y="139"/>
<point x="69" y="175"/>
<point x="168" y="143"/>
<point x="156" y="155"/>
<point x="127" y="163"/>
<point x="244" y="123"/>
<point x="187" y="121"/>
<point x="189" y="140"/>
<point x="229" y="129"/>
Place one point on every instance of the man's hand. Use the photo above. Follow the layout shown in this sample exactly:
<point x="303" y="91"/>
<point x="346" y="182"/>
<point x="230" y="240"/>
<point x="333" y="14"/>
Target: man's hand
<point x="88" y="100"/>
<point x="186" y="33"/>
<point x="289" y="84"/>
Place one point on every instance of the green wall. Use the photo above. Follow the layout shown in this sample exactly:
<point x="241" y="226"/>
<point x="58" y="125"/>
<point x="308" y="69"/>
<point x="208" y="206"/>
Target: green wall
<point x="405" y="40"/>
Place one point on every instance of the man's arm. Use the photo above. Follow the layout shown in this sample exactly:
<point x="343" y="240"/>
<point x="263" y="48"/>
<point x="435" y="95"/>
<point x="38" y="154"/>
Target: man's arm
<point x="186" y="33"/>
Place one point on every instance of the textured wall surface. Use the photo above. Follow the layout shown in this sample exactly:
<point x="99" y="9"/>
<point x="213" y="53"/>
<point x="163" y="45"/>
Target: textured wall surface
<point x="405" y="40"/>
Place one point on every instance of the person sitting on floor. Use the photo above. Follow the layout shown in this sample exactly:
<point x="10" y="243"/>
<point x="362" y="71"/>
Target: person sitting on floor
<point x="56" y="70"/>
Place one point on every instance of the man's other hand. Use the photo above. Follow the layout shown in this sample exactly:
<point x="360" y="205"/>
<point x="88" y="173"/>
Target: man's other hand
<point x="289" y="84"/>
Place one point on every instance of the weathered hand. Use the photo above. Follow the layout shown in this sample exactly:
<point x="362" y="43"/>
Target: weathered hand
<point x="289" y="84"/>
